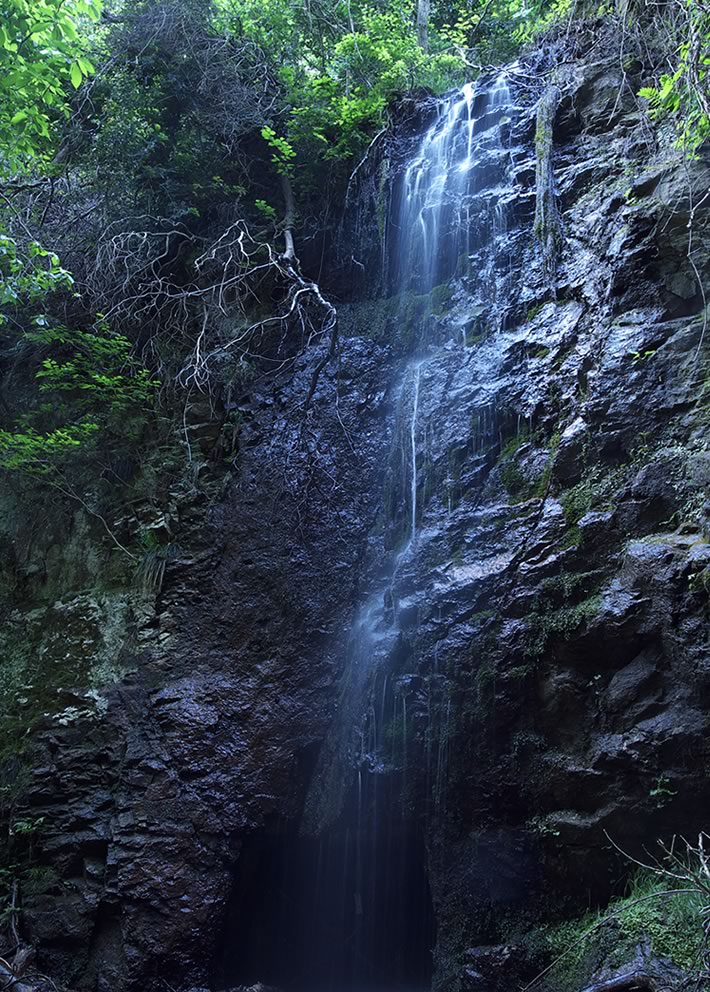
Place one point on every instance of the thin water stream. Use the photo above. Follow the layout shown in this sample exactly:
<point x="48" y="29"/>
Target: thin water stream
<point x="416" y="375"/>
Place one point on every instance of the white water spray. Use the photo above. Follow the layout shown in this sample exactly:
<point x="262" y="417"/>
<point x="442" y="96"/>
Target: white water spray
<point x="413" y="447"/>
<point x="435" y="204"/>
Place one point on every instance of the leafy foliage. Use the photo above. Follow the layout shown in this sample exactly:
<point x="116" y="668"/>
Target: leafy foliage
<point x="100" y="371"/>
<point x="42" y="54"/>
<point x="282" y="152"/>
<point x="492" y="32"/>
<point x="29" y="275"/>
<point x="175" y="99"/>
<point x="666" y="906"/>
<point x="94" y="385"/>
<point x="683" y="94"/>
<point x="339" y="67"/>
<point x="205" y="120"/>
<point x="39" y="453"/>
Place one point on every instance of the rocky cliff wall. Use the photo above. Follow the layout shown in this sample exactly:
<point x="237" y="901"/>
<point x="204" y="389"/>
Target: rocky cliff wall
<point x="550" y="674"/>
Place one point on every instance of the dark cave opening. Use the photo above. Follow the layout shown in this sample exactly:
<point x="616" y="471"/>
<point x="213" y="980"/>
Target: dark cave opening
<point x="348" y="911"/>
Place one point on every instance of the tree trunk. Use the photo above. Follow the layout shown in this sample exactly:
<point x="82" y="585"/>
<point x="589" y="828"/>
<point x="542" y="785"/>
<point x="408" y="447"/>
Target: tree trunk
<point x="423" y="12"/>
<point x="289" y="218"/>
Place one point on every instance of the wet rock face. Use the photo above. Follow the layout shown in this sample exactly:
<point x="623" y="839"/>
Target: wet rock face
<point x="552" y="641"/>
<point x="560" y="574"/>
<point x="145" y="799"/>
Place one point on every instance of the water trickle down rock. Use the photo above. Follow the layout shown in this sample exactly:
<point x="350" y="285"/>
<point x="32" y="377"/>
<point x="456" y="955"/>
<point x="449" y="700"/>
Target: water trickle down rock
<point x="498" y="603"/>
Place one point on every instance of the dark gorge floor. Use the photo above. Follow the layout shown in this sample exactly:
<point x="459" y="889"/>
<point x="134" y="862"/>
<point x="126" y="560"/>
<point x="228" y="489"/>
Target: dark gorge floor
<point x="349" y="911"/>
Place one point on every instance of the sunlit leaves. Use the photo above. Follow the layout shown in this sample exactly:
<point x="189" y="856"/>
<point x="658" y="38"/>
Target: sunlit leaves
<point x="340" y="64"/>
<point x="282" y="152"/>
<point x="26" y="277"/>
<point x="40" y="452"/>
<point x="95" y="385"/>
<point x="41" y="54"/>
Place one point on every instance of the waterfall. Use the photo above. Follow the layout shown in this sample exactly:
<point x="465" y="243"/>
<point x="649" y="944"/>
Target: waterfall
<point x="413" y="445"/>
<point x="440" y="184"/>
<point x="448" y="206"/>
<point x="431" y="190"/>
<point x="359" y="909"/>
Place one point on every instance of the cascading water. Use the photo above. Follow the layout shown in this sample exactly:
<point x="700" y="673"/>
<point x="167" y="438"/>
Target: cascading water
<point x="354" y="913"/>
<point x="413" y="447"/>
<point x="432" y="194"/>
<point x="439" y="187"/>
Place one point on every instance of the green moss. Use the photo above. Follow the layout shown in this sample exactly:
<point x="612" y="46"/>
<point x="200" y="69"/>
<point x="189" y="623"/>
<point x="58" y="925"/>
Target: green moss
<point x="55" y="661"/>
<point x="513" y="479"/>
<point x="439" y="297"/>
<point x="485" y="689"/>
<point x="481" y="616"/>
<point x="400" y="319"/>
<point x="561" y="623"/>
<point x="577" y="501"/>
<point x="541" y="486"/>
<point x="38" y="880"/>
<point x="595" y="491"/>
<point x="564" y="586"/>
<point x="381" y="202"/>
<point x="672" y="924"/>
<point x="395" y="734"/>
<point x="567" y="944"/>
<point x="572" y="538"/>
<point x="475" y="333"/>
<point x="511" y="476"/>
<point x="373" y="319"/>
<point x="547" y="227"/>
<point x="520" y="485"/>
<point x="511" y="447"/>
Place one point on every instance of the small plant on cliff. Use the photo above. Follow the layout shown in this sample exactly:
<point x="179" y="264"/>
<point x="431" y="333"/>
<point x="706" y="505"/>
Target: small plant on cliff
<point x="667" y="905"/>
<point x="551" y="621"/>
<point x="662" y="791"/>
<point x="683" y="93"/>
<point x="154" y="561"/>
<point x="89" y="384"/>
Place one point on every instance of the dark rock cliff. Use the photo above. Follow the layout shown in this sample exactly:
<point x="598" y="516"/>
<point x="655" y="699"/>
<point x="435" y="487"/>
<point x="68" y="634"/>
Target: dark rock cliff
<point x="550" y="657"/>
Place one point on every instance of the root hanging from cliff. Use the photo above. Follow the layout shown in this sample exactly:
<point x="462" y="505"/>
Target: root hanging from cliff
<point x="230" y="278"/>
<point x="235" y="268"/>
<point x="548" y="224"/>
